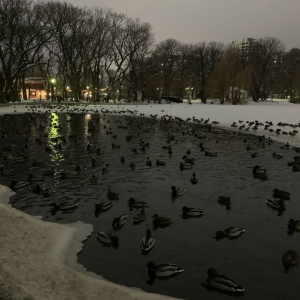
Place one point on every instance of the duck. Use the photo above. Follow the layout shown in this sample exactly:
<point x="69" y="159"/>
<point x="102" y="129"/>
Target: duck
<point x="141" y="217"/>
<point x="290" y="259"/>
<point x="161" y="221"/>
<point x="93" y="179"/>
<point x="108" y="239"/>
<point x="277" y="155"/>
<point x="148" y="242"/>
<point x="105" y="169"/>
<point x="190" y="212"/>
<point x="122" y="159"/>
<point x="36" y="177"/>
<point x="68" y="175"/>
<point x="211" y="154"/>
<point x="224" y="200"/>
<point x="183" y="166"/>
<point x="103" y="207"/>
<point x="65" y="206"/>
<point x="188" y="160"/>
<point x="160" y="163"/>
<point x="95" y="162"/>
<point x="294" y="225"/>
<point x="276" y="205"/>
<point x="230" y="232"/>
<point x="193" y="179"/>
<point x="148" y="162"/>
<point x="162" y="270"/>
<point x="134" y="203"/>
<point x="260" y="173"/>
<point x="223" y="282"/>
<point x="112" y="195"/>
<point x="119" y="222"/>
<point x="281" y="194"/>
<point x="176" y="192"/>
<point x="18" y="185"/>
<point x="132" y="166"/>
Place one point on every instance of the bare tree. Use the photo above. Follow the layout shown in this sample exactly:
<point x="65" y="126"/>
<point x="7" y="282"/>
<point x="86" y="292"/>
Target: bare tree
<point x="23" y="34"/>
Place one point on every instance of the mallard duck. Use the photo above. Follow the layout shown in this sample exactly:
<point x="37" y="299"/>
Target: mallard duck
<point x="36" y="177"/>
<point x="148" y="242"/>
<point x="133" y="203"/>
<point x="18" y="185"/>
<point x="68" y="175"/>
<point x="223" y="282"/>
<point x="122" y="159"/>
<point x="230" y="232"/>
<point x="93" y="179"/>
<point x="119" y="221"/>
<point x="148" y="162"/>
<point x="108" y="239"/>
<point x="160" y="163"/>
<point x="193" y="179"/>
<point x="190" y="212"/>
<point x="112" y="195"/>
<point x="102" y="207"/>
<point x="294" y="225"/>
<point x="163" y="270"/>
<point x="290" y="259"/>
<point x="183" y="166"/>
<point x="281" y="194"/>
<point x="65" y="206"/>
<point x="132" y="166"/>
<point x="161" y="221"/>
<point x="141" y="217"/>
<point x="188" y="160"/>
<point x="176" y="192"/>
<point x="276" y="205"/>
<point x="277" y="155"/>
<point x="223" y="200"/>
<point x="211" y="154"/>
<point x="258" y="172"/>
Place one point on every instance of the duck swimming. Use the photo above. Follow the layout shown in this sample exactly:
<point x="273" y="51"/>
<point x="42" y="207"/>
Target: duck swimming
<point x="176" y="192"/>
<point x="162" y="271"/>
<point x="230" y="232"/>
<point x="93" y="179"/>
<point x="66" y="206"/>
<point x="223" y="200"/>
<point x="190" y="212"/>
<point x="108" y="239"/>
<point x="112" y="195"/>
<point x="102" y="207"/>
<point x="281" y="194"/>
<point x="260" y="173"/>
<point x="183" y="166"/>
<point x="193" y="179"/>
<point x="223" y="282"/>
<point x="68" y="175"/>
<point x="276" y="205"/>
<point x="141" y="217"/>
<point x="133" y="203"/>
<point x="294" y="225"/>
<point x="290" y="259"/>
<point x="119" y="221"/>
<point x="160" y="163"/>
<point x="161" y="221"/>
<point x="148" y="242"/>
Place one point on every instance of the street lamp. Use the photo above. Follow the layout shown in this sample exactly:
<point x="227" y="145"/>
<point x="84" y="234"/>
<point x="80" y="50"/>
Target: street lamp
<point x="52" y="82"/>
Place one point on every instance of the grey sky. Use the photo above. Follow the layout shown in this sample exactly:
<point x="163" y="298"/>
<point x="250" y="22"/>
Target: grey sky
<point x="212" y="20"/>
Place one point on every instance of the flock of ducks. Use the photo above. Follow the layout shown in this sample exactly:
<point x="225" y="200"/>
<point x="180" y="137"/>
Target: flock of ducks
<point x="215" y="280"/>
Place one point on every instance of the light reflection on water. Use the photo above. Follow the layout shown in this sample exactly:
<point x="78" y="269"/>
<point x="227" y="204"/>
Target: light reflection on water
<point x="254" y="259"/>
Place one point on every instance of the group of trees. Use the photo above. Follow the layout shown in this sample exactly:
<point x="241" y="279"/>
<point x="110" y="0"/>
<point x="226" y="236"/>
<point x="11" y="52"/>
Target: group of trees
<point x="100" y="48"/>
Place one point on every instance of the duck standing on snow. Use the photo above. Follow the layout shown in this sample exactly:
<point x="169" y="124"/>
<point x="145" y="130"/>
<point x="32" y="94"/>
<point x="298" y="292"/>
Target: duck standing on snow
<point x="148" y="242"/>
<point x="223" y="282"/>
<point x="162" y="271"/>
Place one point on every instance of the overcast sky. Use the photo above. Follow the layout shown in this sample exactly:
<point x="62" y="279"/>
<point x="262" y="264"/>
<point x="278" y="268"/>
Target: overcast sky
<point x="212" y="20"/>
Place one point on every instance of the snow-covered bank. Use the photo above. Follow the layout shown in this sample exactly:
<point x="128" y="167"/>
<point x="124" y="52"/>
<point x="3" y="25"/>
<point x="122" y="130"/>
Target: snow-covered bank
<point x="38" y="261"/>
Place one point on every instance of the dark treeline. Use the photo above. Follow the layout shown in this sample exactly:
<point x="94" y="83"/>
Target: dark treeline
<point x="100" y="48"/>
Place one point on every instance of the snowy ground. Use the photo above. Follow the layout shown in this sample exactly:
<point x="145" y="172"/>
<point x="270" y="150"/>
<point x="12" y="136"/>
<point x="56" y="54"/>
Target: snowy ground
<point x="38" y="258"/>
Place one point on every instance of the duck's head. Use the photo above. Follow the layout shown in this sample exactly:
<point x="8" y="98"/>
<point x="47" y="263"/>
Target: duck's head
<point x="173" y="188"/>
<point x="151" y="266"/>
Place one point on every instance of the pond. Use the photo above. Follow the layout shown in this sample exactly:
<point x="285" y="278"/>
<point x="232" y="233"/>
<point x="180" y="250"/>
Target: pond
<point x="52" y="144"/>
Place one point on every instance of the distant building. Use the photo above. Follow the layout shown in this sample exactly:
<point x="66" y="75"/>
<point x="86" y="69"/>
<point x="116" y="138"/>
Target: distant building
<point x="243" y="46"/>
<point x="35" y="88"/>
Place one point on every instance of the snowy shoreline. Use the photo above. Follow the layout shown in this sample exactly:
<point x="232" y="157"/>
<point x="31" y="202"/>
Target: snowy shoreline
<point x="46" y="267"/>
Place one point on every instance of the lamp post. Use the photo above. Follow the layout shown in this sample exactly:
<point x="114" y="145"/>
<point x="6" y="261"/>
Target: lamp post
<point x="52" y="82"/>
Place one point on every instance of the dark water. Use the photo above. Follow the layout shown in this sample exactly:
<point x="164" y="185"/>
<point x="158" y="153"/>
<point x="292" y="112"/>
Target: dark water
<point x="254" y="259"/>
